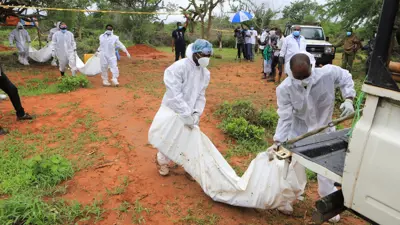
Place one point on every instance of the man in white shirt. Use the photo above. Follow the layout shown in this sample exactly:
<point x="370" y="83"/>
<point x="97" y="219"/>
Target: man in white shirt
<point x="251" y="36"/>
<point x="292" y="45"/>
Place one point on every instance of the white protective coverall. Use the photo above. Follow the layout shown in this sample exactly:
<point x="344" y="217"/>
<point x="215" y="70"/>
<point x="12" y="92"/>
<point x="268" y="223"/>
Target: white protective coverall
<point x="50" y="38"/>
<point x="186" y="86"/>
<point x="108" y="58"/>
<point x="64" y="46"/>
<point x="22" y="40"/>
<point x="303" y="109"/>
<point x="291" y="46"/>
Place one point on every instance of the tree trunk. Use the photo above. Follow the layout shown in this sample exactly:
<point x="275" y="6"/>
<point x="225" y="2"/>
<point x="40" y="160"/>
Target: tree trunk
<point x="202" y="28"/>
<point x="210" y="9"/>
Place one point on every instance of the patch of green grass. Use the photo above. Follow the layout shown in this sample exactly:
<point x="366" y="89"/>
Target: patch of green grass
<point x="30" y="169"/>
<point x="120" y="189"/>
<point x="72" y="83"/>
<point x="311" y="176"/>
<point x="137" y="217"/>
<point x="124" y="207"/>
<point x="31" y="209"/>
<point x="191" y="218"/>
<point x="38" y="86"/>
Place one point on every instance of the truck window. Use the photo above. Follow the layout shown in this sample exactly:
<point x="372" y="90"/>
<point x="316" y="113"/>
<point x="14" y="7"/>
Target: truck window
<point x="312" y="33"/>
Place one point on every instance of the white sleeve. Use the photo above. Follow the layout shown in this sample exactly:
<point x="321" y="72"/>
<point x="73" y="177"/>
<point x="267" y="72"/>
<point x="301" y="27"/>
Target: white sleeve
<point x="284" y="48"/>
<point x="343" y="80"/>
<point x="11" y="38"/>
<point x="173" y="81"/>
<point x="121" y="46"/>
<point x="53" y="42"/>
<point x="201" y="99"/>
<point x="73" y="43"/>
<point x="285" y="113"/>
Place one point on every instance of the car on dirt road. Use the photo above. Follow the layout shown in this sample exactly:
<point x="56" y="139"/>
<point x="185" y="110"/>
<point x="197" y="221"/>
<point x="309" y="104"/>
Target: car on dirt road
<point x="317" y="43"/>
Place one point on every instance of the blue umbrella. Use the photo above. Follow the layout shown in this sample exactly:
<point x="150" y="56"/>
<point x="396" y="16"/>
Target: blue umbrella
<point x="240" y="16"/>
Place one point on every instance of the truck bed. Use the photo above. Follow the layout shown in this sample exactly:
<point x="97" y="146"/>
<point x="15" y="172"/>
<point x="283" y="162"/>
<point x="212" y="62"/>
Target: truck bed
<point x="327" y="150"/>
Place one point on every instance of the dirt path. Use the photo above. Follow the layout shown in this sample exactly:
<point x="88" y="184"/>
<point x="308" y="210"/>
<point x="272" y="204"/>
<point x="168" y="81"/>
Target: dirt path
<point x="125" y="116"/>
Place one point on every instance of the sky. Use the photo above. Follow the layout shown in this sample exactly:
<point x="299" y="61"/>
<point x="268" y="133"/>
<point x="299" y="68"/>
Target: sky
<point x="274" y="4"/>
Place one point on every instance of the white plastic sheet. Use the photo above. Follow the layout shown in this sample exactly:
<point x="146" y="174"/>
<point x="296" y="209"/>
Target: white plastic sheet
<point x="92" y="66"/>
<point x="42" y="55"/>
<point x="262" y="186"/>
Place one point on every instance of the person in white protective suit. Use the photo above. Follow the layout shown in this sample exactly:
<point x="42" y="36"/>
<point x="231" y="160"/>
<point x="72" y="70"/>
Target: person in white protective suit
<point x="108" y="43"/>
<point x="306" y="102"/>
<point x="292" y="44"/>
<point x="186" y="82"/>
<point x="50" y="38"/>
<point x="63" y="46"/>
<point x="22" y="41"/>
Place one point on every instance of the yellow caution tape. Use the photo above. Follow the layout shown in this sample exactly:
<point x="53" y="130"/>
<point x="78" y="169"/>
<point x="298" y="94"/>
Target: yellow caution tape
<point x="86" y="10"/>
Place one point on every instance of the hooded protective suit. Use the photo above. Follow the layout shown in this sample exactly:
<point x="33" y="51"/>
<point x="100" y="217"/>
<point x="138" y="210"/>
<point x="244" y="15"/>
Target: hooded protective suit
<point x="50" y="38"/>
<point x="108" y="58"/>
<point x="186" y="85"/>
<point x="302" y="109"/>
<point x="64" y="47"/>
<point x="22" y="40"/>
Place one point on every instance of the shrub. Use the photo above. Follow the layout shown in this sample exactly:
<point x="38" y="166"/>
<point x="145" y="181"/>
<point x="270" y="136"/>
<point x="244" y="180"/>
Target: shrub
<point x="72" y="83"/>
<point x="240" y="129"/>
<point x="268" y="118"/>
<point x="40" y="172"/>
<point x="240" y="108"/>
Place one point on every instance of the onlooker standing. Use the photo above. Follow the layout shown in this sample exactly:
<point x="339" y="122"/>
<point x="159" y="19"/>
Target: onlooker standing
<point x="280" y="39"/>
<point x="178" y="40"/>
<point x="351" y="44"/>
<point x="9" y="88"/>
<point x="251" y="36"/>
<point x="292" y="45"/>
<point x="263" y="43"/>
<point x="239" y="35"/>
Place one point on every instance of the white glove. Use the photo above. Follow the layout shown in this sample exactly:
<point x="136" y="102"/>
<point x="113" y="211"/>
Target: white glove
<point x="96" y="54"/>
<point x="347" y="108"/>
<point x="129" y="55"/>
<point x="188" y="121"/>
<point x="271" y="151"/>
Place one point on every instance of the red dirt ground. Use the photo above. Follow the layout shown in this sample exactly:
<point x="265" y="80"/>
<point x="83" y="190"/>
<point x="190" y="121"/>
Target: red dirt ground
<point x="145" y="51"/>
<point x="125" y="116"/>
<point x="4" y="48"/>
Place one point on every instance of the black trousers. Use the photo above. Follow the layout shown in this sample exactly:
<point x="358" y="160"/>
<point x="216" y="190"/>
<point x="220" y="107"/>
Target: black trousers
<point x="9" y="88"/>
<point x="240" y="48"/>
<point x="275" y="62"/>
<point x="180" y="51"/>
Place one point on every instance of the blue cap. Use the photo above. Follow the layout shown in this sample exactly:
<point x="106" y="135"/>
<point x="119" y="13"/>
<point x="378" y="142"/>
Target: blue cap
<point x="203" y="46"/>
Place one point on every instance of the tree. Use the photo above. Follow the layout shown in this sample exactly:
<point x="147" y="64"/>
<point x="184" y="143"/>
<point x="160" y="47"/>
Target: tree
<point x="199" y="12"/>
<point x="304" y="11"/>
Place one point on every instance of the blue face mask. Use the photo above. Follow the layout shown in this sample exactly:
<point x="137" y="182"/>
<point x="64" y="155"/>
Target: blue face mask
<point x="348" y="33"/>
<point x="180" y="27"/>
<point x="296" y="33"/>
<point x="64" y="31"/>
<point x="251" y="28"/>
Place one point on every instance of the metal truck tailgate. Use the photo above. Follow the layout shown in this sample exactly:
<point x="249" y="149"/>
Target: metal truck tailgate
<point x="323" y="153"/>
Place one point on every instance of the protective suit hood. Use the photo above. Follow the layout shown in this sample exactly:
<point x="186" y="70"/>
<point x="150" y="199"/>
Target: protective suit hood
<point x="58" y="25"/>
<point x="189" y="53"/>
<point x="20" y="25"/>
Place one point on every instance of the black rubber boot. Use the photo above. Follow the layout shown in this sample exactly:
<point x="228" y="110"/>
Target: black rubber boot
<point x="62" y="73"/>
